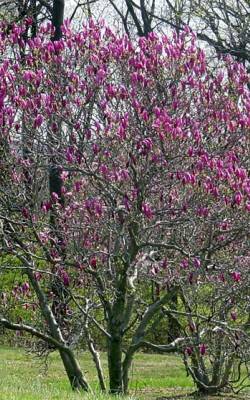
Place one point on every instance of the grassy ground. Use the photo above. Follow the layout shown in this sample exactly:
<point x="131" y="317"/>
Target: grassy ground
<point x="23" y="377"/>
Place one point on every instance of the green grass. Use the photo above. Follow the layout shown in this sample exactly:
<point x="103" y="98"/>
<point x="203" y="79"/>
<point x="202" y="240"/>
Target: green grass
<point x="23" y="377"/>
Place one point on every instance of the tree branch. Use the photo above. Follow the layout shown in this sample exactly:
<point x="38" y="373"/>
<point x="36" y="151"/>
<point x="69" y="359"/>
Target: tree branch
<point x="34" y="332"/>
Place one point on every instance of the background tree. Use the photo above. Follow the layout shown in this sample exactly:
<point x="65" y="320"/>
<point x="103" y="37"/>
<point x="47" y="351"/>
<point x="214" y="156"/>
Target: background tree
<point x="222" y="24"/>
<point x="18" y="10"/>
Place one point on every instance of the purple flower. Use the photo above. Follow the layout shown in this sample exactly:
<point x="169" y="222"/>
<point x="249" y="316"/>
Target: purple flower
<point x="203" y="349"/>
<point x="189" y="351"/>
<point x="197" y="262"/>
<point x="25" y="212"/>
<point x="38" y="121"/>
<point x="184" y="263"/>
<point x="238" y="198"/>
<point x="236" y="276"/>
<point x="147" y="211"/>
<point x="234" y="315"/>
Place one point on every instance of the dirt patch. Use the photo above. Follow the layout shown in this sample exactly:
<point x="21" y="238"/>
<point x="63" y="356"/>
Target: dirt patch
<point x="191" y="396"/>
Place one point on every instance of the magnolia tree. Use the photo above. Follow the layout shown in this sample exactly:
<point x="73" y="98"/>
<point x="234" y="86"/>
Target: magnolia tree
<point x="150" y="151"/>
<point x="213" y="313"/>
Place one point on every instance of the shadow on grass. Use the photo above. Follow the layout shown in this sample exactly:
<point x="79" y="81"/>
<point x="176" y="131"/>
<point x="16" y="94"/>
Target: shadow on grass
<point x="178" y="396"/>
<point x="198" y="396"/>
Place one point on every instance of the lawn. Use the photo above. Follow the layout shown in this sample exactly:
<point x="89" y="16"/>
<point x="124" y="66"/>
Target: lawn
<point x="24" y="377"/>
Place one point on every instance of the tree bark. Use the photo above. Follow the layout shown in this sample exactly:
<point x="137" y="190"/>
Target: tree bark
<point x="173" y="326"/>
<point x="115" y="363"/>
<point x="95" y="354"/>
<point x="126" y="368"/>
<point x="97" y="361"/>
<point x="57" y="18"/>
<point x="73" y="371"/>
<point x="116" y="332"/>
<point x="70" y="363"/>
<point x="139" y="335"/>
<point x="55" y="181"/>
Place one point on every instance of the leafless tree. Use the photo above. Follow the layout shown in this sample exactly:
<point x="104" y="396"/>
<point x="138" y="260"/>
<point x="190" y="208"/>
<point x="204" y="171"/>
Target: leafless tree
<point x="221" y="24"/>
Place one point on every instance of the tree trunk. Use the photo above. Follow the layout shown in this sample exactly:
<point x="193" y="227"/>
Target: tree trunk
<point x="55" y="181"/>
<point x="73" y="370"/>
<point x="34" y="15"/>
<point x="95" y="355"/>
<point x="126" y="368"/>
<point x="70" y="363"/>
<point x="97" y="361"/>
<point x="115" y="363"/>
<point x="57" y="18"/>
<point x="116" y="325"/>
<point x="173" y="325"/>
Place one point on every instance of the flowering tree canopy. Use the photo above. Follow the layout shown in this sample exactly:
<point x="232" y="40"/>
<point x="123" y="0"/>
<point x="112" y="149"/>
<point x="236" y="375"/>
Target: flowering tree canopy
<point x="150" y="148"/>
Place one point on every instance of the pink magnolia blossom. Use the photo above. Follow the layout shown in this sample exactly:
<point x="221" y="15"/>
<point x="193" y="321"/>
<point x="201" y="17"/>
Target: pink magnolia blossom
<point x="147" y="210"/>
<point x="203" y="349"/>
<point x="236" y="276"/>
<point x="238" y="198"/>
<point x="38" y="121"/>
<point x="189" y="351"/>
<point x="233" y="315"/>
